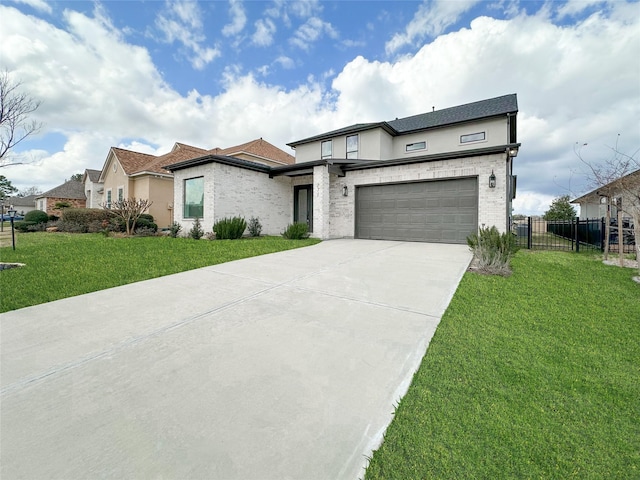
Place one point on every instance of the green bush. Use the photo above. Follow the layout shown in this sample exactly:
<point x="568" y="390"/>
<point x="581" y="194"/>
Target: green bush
<point x="229" y="228"/>
<point x="174" y="229"/>
<point x="196" y="231"/>
<point x="144" y="223"/>
<point x="85" y="216"/>
<point x="146" y="216"/>
<point x="23" y="225"/>
<point x="146" y="231"/>
<point x="36" y="216"/>
<point x="71" y="226"/>
<point x="254" y="227"/>
<point x="492" y="250"/>
<point x="296" y="231"/>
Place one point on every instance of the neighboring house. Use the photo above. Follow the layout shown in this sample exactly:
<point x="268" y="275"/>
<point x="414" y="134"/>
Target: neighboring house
<point x="21" y="205"/>
<point x="92" y="188"/>
<point x="128" y="174"/>
<point x="434" y="177"/>
<point x="70" y="193"/>
<point x="594" y="203"/>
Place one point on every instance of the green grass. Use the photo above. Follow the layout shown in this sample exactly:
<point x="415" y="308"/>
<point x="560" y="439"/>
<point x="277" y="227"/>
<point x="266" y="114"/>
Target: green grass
<point x="63" y="265"/>
<point x="536" y="375"/>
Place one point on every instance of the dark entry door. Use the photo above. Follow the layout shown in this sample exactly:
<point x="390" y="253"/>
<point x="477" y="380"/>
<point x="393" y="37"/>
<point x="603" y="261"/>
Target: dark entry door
<point x="303" y="205"/>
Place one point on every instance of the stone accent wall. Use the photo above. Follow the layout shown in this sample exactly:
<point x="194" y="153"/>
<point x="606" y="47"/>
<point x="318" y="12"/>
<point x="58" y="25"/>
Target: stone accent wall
<point x="51" y="204"/>
<point x="321" y="202"/>
<point x="491" y="201"/>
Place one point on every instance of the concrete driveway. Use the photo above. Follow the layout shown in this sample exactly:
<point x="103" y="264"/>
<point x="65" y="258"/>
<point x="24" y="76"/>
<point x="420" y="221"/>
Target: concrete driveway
<point x="284" y="366"/>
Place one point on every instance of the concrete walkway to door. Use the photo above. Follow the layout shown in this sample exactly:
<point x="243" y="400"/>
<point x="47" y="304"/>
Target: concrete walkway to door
<point x="284" y="366"/>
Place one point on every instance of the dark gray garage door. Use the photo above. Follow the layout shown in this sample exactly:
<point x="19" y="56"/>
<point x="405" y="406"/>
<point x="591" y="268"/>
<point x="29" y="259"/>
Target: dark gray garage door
<point x="443" y="211"/>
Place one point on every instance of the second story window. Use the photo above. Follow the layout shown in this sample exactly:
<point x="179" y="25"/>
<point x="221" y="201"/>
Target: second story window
<point x="412" y="147"/>
<point x="327" y="149"/>
<point x="109" y="198"/>
<point x="352" y="146"/>
<point x="473" y="137"/>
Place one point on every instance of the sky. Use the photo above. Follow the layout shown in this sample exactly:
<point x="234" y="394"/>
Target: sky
<point x="143" y="75"/>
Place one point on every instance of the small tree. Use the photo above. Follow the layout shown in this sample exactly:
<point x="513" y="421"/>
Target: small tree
<point x="560" y="209"/>
<point x="15" y="109"/>
<point x="129" y="210"/>
<point x="6" y="189"/>
<point x="196" y="231"/>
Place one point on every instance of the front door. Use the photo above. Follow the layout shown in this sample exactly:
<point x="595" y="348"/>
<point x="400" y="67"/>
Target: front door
<point x="303" y="205"/>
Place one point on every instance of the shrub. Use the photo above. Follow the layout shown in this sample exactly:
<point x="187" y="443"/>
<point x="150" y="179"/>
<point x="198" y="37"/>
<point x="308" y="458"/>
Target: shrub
<point x="146" y="231"/>
<point x="174" y="229"/>
<point x="144" y="223"/>
<point x="254" y="227"/>
<point x="70" y="226"/>
<point x="492" y="250"/>
<point x="85" y="216"/>
<point x="229" y="228"/>
<point x="36" y="216"/>
<point x="296" y="231"/>
<point x="146" y="216"/>
<point x="23" y="225"/>
<point x="196" y="231"/>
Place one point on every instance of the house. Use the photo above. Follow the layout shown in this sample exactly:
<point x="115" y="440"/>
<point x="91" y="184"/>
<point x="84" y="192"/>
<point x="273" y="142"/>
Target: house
<point x="93" y="189"/>
<point x="69" y="194"/>
<point x="21" y="205"/>
<point x="433" y="177"/>
<point x="128" y="174"/>
<point x="594" y="203"/>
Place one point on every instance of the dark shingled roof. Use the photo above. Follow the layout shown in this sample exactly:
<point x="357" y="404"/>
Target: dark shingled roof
<point x="94" y="175"/>
<point x="28" y="201"/>
<point x="439" y="118"/>
<point x="69" y="189"/>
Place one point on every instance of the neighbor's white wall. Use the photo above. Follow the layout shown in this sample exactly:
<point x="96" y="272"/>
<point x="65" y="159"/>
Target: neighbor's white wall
<point x="491" y="201"/>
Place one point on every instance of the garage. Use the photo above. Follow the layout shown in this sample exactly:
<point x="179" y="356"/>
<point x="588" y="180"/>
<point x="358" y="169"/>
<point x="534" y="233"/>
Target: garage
<point x="443" y="211"/>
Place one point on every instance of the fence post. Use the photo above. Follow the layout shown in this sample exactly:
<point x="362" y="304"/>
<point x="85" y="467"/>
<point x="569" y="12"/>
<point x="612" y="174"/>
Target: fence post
<point x="577" y="234"/>
<point x="529" y="233"/>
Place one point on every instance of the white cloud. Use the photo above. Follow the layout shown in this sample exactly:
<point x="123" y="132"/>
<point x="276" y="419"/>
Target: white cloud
<point x="284" y="10"/>
<point x="265" y="29"/>
<point x="238" y="19"/>
<point x="181" y="22"/>
<point x="285" y="62"/>
<point x="432" y="18"/>
<point x="40" y="5"/>
<point x="312" y="31"/>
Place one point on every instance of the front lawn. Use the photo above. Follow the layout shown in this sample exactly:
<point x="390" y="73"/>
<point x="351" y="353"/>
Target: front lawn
<point x="532" y="376"/>
<point x="60" y="265"/>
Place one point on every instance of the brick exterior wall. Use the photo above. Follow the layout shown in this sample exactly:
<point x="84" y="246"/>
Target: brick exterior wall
<point x="50" y="204"/>
<point x="231" y="191"/>
<point x="491" y="201"/>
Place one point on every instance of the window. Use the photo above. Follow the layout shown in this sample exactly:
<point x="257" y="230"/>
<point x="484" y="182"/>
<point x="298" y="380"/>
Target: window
<point x="412" y="147"/>
<point x="352" y="146"/>
<point x="327" y="148"/>
<point x="109" y="198"/>
<point x="120" y="194"/>
<point x="473" y="137"/>
<point x="194" y="197"/>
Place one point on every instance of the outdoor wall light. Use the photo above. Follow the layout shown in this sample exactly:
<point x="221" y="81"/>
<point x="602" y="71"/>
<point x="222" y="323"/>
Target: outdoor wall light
<point x="492" y="180"/>
<point x="345" y="191"/>
<point x="513" y="152"/>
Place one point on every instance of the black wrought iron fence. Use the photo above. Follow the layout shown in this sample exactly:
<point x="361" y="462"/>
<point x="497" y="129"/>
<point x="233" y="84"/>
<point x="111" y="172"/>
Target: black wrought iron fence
<point x="576" y="234"/>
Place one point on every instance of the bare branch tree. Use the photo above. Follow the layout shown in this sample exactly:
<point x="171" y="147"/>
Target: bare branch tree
<point x="15" y="109"/>
<point x="617" y="179"/>
<point x="129" y="210"/>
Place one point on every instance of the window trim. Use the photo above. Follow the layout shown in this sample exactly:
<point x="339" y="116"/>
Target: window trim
<point x="346" y="144"/>
<point x="330" y="155"/>
<point x="466" y="142"/>
<point x="184" y="198"/>
<point x="423" y="147"/>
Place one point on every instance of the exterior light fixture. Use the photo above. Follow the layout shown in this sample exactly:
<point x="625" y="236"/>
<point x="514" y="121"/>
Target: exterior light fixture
<point x="492" y="180"/>
<point x="513" y="152"/>
<point x="12" y="215"/>
<point x="345" y="191"/>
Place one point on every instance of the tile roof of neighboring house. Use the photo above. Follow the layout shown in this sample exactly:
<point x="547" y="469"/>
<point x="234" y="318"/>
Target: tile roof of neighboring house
<point x="28" y="201"/>
<point x="94" y="175"/>
<point x="132" y="162"/>
<point x="69" y="189"/>
<point x="438" y="118"/>
<point x="259" y="148"/>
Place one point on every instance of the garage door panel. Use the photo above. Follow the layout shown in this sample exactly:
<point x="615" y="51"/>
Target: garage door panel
<point x="431" y="211"/>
